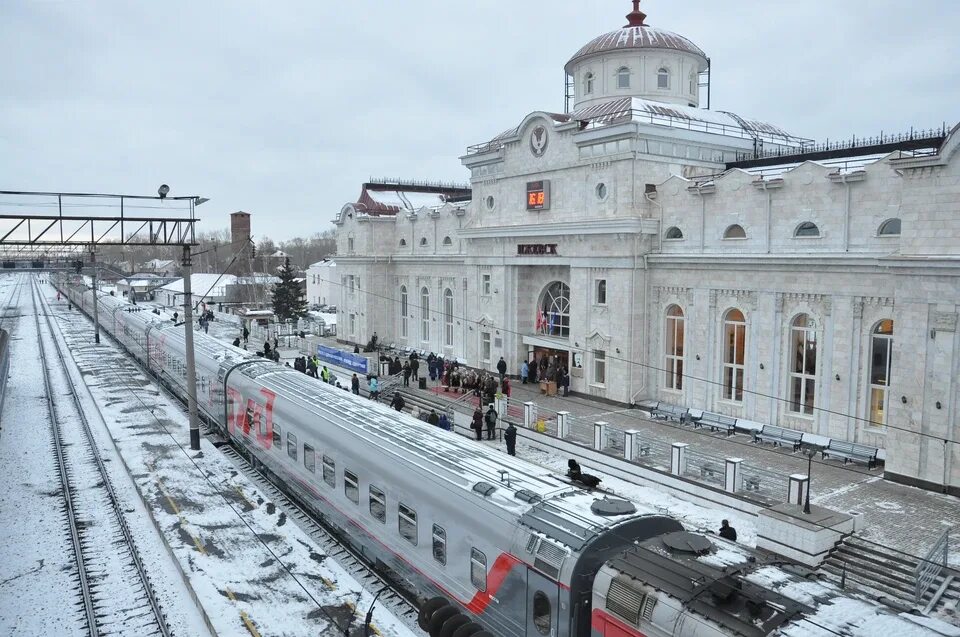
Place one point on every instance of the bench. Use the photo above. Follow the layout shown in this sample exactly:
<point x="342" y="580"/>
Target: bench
<point x="751" y="483"/>
<point x="717" y="422"/>
<point x="643" y="448"/>
<point x="669" y="412"/>
<point x="851" y="451"/>
<point x="708" y="469"/>
<point x="778" y="435"/>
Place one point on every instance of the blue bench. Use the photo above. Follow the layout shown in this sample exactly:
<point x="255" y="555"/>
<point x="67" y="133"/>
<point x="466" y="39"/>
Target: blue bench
<point x="778" y="435"/>
<point x="717" y="422"/>
<point x="667" y="411"/>
<point x="851" y="451"/>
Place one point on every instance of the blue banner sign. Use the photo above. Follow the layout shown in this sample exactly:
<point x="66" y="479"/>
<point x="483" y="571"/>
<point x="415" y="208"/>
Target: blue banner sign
<point x="346" y="360"/>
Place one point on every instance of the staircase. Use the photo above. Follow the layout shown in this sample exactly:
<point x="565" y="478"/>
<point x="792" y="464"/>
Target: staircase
<point x="884" y="572"/>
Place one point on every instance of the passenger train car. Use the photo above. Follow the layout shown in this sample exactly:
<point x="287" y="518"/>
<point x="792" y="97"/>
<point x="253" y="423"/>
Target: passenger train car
<point x="494" y="544"/>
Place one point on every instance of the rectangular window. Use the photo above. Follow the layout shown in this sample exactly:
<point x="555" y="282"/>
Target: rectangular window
<point x="485" y="347"/>
<point x="309" y="458"/>
<point x="350" y="244"/>
<point x="292" y="446"/>
<point x="378" y="504"/>
<point x="485" y="284"/>
<point x="351" y="486"/>
<point x="329" y="471"/>
<point x="599" y="367"/>
<point x="353" y="325"/>
<point x="600" y="292"/>
<point x="478" y="570"/>
<point x="408" y="524"/>
<point x="439" y="544"/>
<point x="277" y="438"/>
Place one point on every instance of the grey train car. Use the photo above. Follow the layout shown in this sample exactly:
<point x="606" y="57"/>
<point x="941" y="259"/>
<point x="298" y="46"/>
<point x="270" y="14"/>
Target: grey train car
<point x="493" y="544"/>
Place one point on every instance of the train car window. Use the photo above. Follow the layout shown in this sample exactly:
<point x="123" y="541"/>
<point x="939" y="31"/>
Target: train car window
<point x="478" y="569"/>
<point x="378" y="504"/>
<point x="309" y="458"/>
<point x="292" y="446"/>
<point x="329" y="471"/>
<point x="439" y="544"/>
<point x="408" y="524"/>
<point x="277" y="438"/>
<point x="351" y="486"/>
<point x="542" y="612"/>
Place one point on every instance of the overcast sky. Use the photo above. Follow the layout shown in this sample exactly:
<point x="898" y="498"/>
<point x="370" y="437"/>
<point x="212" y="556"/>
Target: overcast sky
<point x="283" y="109"/>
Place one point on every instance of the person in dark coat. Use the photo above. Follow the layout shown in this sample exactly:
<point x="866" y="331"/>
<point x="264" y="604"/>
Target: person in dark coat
<point x="398" y="403"/>
<point x="491" y="419"/>
<point x="236" y="342"/>
<point x="445" y="423"/>
<point x="510" y="437"/>
<point x="524" y="371"/>
<point x="477" y="423"/>
<point x="355" y="385"/>
<point x="406" y="374"/>
<point x="356" y="349"/>
<point x="502" y="367"/>
<point x="565" y="381"/>
<point x="414" y="367"/>
<point x="575" y="474"/>
<point x="433" y="418"/>
<point x="727" y="532"/>
<point x="246" y="334"/>
<point x="266" y="348"/>
<point x="505" y="386"/>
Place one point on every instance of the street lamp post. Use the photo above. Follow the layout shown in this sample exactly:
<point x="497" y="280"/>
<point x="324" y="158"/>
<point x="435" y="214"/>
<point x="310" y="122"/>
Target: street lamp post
<point x="806" y="503"/>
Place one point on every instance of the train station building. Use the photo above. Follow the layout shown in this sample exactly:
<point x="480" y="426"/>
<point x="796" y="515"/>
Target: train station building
<point x="666" y="250"/>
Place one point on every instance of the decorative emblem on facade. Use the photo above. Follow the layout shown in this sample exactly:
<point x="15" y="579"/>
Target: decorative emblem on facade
<point x="538" y="141"/>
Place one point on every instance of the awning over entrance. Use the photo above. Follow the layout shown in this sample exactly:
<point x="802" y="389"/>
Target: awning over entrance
<point x="549" y="342"/>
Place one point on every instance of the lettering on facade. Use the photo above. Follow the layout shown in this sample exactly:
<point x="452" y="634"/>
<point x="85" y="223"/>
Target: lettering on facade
<point x="537" y="248"/>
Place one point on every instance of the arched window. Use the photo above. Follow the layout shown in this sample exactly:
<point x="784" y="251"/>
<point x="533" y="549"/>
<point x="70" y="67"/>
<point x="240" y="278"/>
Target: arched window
<point x="734" y="349"/>
<point x="425" y="315"/>
<point x="734" y="232"/>
<point x="663" y="78"/>
<point x="881" y="346"/>
<point x="623" y="77"/>
<point x="403" y="243"/>
<point x="588" y="83"/>
<point x="673" y="347"/>
<point x="889" y="228"/>
<point x="803" y="364"/>
<point x="447" y="241"/>
<point x="423" y="241"/>
<point x="448" y="317"/>
<point x="404" y="310"/>
<point x="807" y="229"/>
<point x="553" y="316"/>
<point x="673" y="233"/>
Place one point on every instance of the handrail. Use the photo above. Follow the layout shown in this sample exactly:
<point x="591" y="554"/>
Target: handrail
<point x="930" y="567"/>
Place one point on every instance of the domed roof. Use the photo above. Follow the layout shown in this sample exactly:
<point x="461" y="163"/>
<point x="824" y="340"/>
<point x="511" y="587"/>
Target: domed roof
<point x="636" y="35"/>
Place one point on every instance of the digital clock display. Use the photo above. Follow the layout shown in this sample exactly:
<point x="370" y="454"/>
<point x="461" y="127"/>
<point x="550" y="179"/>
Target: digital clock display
<point x="538" y="195"/>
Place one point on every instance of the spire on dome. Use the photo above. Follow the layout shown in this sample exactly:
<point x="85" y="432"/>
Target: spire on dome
<point x="636" y="17"/>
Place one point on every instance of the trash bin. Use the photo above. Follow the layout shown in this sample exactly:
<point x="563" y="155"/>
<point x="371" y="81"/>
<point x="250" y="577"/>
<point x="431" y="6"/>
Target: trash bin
<point x="423" y="383"/>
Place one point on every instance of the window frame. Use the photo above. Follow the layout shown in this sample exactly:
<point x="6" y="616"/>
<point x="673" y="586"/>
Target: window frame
<point x="623" y="77"/>
<point x="588" y="83"/>
<point x="423" y="242"/>
<point x="600" y="367"/>
<point x="329" y="471"/>
<point x="381" y="499"/>
<point x="311" y="466"/>
<point x="732" y="372"/>
<point x="674" y="357"/>
<point x="600" y="291"/>
<point x="351" y="484"/>
<point x="424" y="314"/>
<point x="663" y="78"/>
<point x="405" y="513"/>
<point x="537" y="615"/>
<point x="881" y="230"/>
<point x="667" y="237"/>
<point x="601" y="191"/>
<point x="277" y="438"/>
<point x="805" y="227"/>
<point x="447" y="241"/>
<point x="802" y="383"/>
<point x="882" y="388"/>
<point x="478" y="559"/>
<point x="404" y="311"/>
<point x="486" y="283"/>
<point x="441" y="557"/>
<point x="486" y="347"/>
<point x="448" y="317"/>
<point x="292" y="445"/>
<point x="734" y="228"/>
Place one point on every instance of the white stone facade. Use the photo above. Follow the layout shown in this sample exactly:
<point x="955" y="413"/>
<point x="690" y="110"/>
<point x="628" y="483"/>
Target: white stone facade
<point x="323" y="285"/>
<point x="619" y="189"/>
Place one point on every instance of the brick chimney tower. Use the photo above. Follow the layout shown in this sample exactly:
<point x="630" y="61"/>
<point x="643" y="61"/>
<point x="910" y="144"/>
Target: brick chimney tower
<point x="240" y="242"/>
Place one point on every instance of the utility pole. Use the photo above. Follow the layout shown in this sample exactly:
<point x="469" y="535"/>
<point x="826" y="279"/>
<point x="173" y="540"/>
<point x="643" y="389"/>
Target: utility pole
<point x="191" y="364"/>
<point x="96" y="313"/>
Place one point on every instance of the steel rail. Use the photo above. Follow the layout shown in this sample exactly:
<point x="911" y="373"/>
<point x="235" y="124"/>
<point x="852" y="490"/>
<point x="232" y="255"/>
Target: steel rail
<point x="107" y="484"/>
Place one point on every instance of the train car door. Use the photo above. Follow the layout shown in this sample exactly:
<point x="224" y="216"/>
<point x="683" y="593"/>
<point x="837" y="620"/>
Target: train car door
<point x="543" y="606"/>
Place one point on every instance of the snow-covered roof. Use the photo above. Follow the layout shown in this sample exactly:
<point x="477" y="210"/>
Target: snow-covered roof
<point x="256" y="279"/>
<point x="406" y="199"/>
<point x="203" y="284"/>
<point x="325" y="263"/>
<point x="280" y="254"/>
<point x="390" y="198"/>
<point x="635" y="37"/>
<point x="843" y="165"/>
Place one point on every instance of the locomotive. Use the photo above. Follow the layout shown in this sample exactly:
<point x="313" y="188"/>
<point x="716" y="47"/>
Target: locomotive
<point x="493" y="544"/>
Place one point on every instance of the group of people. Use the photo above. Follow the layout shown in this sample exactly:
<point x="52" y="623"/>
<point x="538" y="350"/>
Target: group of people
<point x="546" y="368"/>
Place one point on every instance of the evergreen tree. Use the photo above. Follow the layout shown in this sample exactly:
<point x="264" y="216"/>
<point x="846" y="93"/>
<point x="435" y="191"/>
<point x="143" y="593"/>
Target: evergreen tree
<point x="288" y="300"/>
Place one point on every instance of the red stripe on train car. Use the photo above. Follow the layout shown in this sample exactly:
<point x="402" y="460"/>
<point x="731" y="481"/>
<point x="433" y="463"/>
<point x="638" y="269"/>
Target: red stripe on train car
<point x="609" y="626"/>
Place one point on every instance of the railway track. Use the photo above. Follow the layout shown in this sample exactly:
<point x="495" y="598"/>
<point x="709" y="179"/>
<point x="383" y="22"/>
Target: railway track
<point x="116" y="594"/>
<point x="400" y="603"/>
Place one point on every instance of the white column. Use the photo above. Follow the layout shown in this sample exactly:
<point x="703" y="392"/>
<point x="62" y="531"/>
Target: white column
<point x="563" y="424"/>
<point x="797" y="490"/>
<point x="500" y="405"/>
<point x="630" y="444"/>
<point x="599" y="434"/>
<point x="733" y="478"/>
<point x="678" y="458"/>
<point x="529" y="414"/>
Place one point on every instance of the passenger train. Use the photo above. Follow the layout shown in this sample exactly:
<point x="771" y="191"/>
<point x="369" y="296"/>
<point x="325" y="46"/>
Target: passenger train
<point x="493" y="544"/>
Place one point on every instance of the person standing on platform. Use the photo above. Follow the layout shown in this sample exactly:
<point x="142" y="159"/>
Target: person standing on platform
<point x="727" y="532"/>
<point x="491" y="419"/>
<point x="524" y="372"/>
<point x="510" y="437"/>
<point x="433" y="418"/>
<point x="406" y="374"/>
<point x="414" y="366"/>
<point x="445" y="423"/>
<point x="477" y="423"/>
<point x="502" y="367"/>
<point x="355" y="385"/>
<point x="373" y="386"/>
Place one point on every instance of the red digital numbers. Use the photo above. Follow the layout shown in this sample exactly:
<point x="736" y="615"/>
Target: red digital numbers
<point x="535" y="199"/>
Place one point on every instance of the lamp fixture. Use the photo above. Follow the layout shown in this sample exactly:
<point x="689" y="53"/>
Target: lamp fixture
<point x="836" y="376"/>
<point x="618" y="350"/>
<point x="163" y="190"/>
<point x="939" y="406"/>
<point x="761" y="365"/>
<point x="903" y="399"/>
